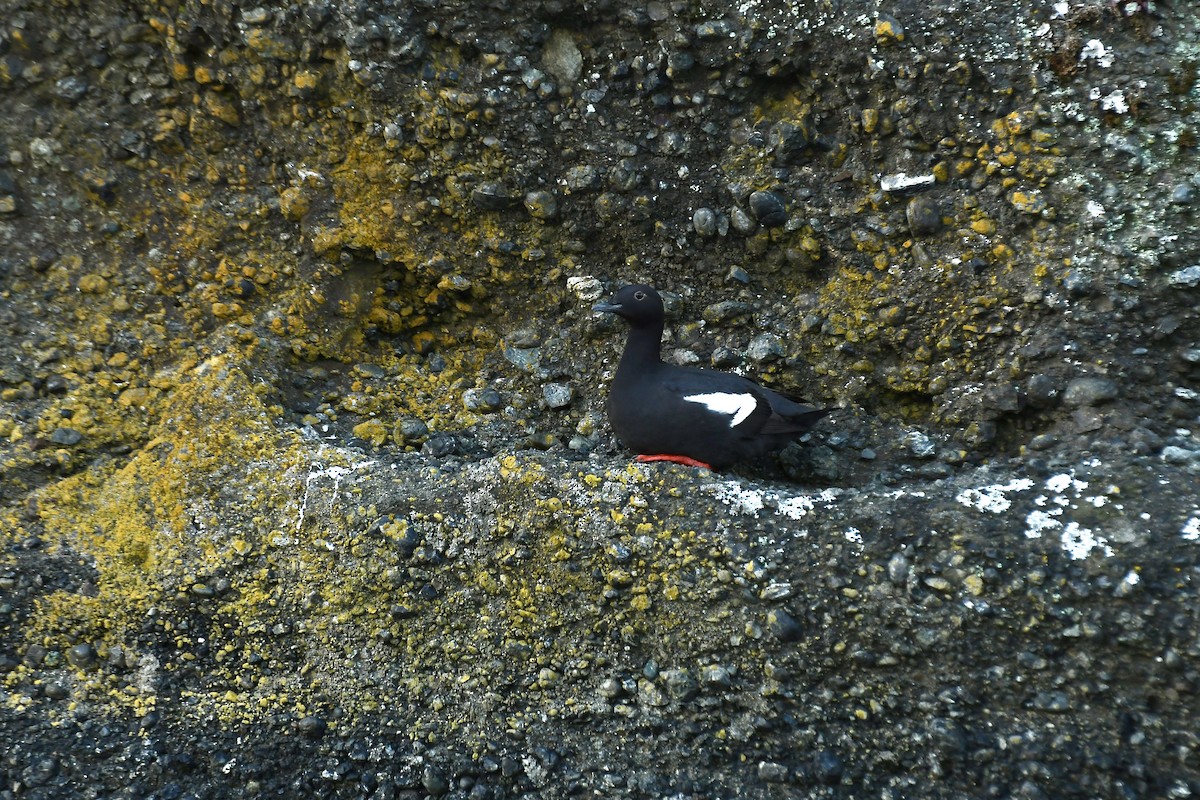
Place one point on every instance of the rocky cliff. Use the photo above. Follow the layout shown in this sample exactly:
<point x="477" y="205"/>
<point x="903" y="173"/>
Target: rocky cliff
<point x="305" y="483"/>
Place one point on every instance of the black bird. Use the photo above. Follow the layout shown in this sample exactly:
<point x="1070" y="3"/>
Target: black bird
<point x="691" y="416"/>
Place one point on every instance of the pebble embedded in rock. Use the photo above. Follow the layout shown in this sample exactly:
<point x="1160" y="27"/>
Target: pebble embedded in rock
<point x="1188" y="277"/>
<point x="537" y="441"/>
<point x="492" y="196"/>
<point x="919" y="444"/>
<point x="1090" y="390"/>
<point x="561" y="57"/>
<point x="679" y="683"/>
<point x="888" y="29"/>
<point x="55" y="691"/>
<point x="1183" y="194"/>
<point x="717" y="675"/>
<point x="410" y="430"/>
<point x="557" y="395"/>
<point x="81" y="656"/>
<point x="828" y="766"/>
<point x="66" y="437"/>
<point x="772" y="772"/>
<point x="312" y="727"/>
<point x="924" y="216"/>
<point x="1173" y="454"/>
<point x="768" y="208"/>
<point x="765" y="347"/>
<point x="742" y="222"/>
<point x="704" y="222"/>
<point x="784" y="626"/>
<point x="581" y="177"/>
<point x="71" y="88"/>
<point x="440" y="445"/>
<point x="725" y="310"/>
<point x="1077" y="284"/>
<point x="541" y="204"/>
<point x="1043" y="391"/>
<point x="485" y="400"/>
<point x="678" y="63"/>
<point x="738" y="274"/>
<point x="1055" y="702"/>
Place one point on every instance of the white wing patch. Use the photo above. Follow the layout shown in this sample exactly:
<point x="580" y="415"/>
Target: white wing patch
<point x="739" y="406"/>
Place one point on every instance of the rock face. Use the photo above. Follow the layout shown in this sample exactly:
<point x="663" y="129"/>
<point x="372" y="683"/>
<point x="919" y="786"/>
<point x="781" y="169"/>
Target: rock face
<point x="305" y="484"/>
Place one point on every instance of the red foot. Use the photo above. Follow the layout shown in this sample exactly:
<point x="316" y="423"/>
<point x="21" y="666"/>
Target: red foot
<point x="687" y="462"/>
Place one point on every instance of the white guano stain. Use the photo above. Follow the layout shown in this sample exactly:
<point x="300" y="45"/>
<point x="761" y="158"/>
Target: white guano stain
<point x="1061" y="493"/>
<point x="753" y="501"/>
<point x="1191" y="529"/>
<point x="1077" y="541"/>
<point x="992" y="498"/>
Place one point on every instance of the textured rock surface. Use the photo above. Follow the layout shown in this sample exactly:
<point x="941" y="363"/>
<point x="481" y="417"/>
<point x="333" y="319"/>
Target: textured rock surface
<point x="305" y="487"/>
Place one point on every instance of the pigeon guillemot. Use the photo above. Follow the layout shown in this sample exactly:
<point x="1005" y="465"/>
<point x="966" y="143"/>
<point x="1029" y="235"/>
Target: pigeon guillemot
<point x="691" y="416"/>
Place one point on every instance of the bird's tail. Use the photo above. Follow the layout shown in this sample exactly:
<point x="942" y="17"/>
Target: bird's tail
<point x="797" y="422"/>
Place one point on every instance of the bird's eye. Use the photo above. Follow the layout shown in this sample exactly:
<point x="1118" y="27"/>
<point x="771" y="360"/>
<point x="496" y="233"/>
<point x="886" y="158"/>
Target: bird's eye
<point x="639" y="295"/>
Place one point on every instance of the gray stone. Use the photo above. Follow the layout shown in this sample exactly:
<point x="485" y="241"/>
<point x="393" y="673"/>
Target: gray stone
<point x="581" y="177"/>
<point x="924" y="216"/>
<point x="784" y="625"/>
<point x="704" y="222"/>
<point x="919" y="444"/>
<point x="765" y="347"/>
<point x="492" y="196"/>
<point x="485" y="400"/>
<point x="1090" y="390"/>
<point x="742" y="222"/>
<point x="772" y="772"/>
<point x="680" y="684"/>
<point x="1188" y="277"/>
<point x="561" y="57"/>
<point x="71" y="88"/>
<point x="768" y="208"/>
<point x="541" y="204"/>
<point x="433" y="781"/>
<point x="67" y="437"/>
<point x="1174" y="454"/>
<point x="557" y="395"/>
<point x="1043" y="391"/>
<point x="725" y="310"/>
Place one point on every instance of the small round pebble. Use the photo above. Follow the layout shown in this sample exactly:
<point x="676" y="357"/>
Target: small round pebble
<point x="410" y="430"/>
<point x="924" y="216"/>
<point x="704" y="222"/>
<point x="742" y="222"/>
<point x="81" y="656"/>
<point x="541" y="204"/>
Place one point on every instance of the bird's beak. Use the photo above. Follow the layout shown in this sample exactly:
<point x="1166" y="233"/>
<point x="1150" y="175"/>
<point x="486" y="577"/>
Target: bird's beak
<point x="610" y="308"/>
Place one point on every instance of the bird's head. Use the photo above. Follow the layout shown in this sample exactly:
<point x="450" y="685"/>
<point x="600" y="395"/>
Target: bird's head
<point x="638" y="303"/>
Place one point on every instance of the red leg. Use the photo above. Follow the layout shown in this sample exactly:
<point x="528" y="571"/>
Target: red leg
<point x="687" y="462"/>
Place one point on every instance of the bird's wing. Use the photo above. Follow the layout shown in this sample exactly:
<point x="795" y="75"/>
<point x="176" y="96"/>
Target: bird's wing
<point x="741" y="401"/>
<point x="752" y="408"/>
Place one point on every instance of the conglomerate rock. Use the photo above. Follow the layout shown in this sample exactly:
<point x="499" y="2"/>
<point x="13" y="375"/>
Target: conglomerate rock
<point x="305" y="485"/>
